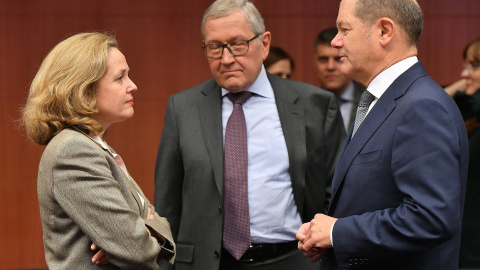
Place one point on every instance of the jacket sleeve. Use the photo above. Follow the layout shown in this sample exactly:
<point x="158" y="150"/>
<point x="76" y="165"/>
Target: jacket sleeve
<point x="334" y="134"/>
<point x="84" y="187"/>
<point x="161" y="227"/>
<point x="169" y="173"/>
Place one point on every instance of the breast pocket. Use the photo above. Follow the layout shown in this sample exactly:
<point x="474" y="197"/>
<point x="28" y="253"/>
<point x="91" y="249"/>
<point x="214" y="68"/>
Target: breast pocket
<point x="368" y="157"/>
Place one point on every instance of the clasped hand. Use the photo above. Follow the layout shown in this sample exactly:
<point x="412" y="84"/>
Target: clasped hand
<point x="101" y="257"/>
<point x="314" y="236"/>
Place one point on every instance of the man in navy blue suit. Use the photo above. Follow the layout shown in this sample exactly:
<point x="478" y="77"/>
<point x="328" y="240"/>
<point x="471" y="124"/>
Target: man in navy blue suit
<point x="399" y="185"/>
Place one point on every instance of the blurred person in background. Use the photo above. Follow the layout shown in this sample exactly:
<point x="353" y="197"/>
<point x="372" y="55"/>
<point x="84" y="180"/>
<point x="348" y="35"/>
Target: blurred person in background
<point x="327" y="65"/>
<point x="466" y="94"/>
<point x="279" y="63"/>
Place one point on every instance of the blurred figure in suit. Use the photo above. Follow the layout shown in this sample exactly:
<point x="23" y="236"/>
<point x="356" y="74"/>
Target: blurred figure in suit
<point x="327" y="64"/>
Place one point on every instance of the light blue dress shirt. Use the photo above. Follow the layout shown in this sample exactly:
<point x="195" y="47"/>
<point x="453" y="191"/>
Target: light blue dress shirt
<point x="274" y="217"/>
<point x="346" y="106"/>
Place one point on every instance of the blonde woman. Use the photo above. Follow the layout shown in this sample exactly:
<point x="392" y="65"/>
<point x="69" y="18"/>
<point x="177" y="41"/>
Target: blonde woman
<point x="94" y="215"/>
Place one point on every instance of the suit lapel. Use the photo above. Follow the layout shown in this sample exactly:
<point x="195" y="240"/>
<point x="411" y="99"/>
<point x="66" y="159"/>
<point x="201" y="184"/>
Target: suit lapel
<point x="110" y="152"/>
<point x="130" y="182"/>
<point x="379" y="113"/>
<point x="291" y="115"/>
<point x="210" y="114"/>
<point x="353" y="146"/>
<point x="136" y="193"/>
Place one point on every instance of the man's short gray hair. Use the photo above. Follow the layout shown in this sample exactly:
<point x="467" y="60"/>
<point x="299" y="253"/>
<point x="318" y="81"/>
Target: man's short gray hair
<point x="221" y="8"/>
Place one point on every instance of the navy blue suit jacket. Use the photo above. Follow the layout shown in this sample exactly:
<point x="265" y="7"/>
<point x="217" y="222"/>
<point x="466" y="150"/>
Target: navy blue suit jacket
<point x="399" y="186"/>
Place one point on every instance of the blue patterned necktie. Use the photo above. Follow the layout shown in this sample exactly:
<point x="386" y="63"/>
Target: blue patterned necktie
<point x="362" y="109"/>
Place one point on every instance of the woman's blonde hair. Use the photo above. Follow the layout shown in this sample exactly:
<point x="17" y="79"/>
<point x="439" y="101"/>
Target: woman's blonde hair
<point x="63" y="91"/>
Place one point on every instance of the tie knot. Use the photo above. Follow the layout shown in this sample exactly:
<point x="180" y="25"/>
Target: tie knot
<point x="342" y="101"/>
<point x="366" y="99"/>
<point x="240" y="97"/>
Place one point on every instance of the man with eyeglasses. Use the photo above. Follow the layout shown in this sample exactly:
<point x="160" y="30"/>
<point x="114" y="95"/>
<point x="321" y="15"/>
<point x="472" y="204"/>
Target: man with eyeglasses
<point x="283" y="158"/>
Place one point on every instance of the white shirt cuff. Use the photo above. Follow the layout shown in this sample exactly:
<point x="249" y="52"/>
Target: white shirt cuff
<point x="331" y="233"/>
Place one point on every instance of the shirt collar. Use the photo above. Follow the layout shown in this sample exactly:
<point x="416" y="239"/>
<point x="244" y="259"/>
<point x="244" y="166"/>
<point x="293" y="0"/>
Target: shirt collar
<point x="261" y="86"/>
<point x="99" y="142"/>
<point x="348" y="94"/>
<point x="383" y="80"/>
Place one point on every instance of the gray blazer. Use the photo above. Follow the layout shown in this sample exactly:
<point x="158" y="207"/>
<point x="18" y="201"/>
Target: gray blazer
<point x="85" y="197"/>
<point x="189" y="169"/>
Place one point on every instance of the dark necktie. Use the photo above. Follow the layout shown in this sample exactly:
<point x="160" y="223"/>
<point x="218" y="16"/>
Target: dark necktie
<point x="342" y="101"/>
<point x="362" y="109"/>
<point x="236" y="224"/>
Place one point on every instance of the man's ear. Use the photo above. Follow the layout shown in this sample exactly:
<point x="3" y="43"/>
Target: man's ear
<point x="385" y="31"/>
<point x="266" y="40"/>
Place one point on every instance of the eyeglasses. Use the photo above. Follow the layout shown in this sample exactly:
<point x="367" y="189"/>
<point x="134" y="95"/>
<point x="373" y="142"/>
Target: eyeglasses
<point x="236" y="48"/>
<point x="471" y="67"/>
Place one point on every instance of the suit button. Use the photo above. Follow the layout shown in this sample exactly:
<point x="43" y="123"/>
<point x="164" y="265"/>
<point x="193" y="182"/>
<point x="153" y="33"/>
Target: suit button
<point x="350" y="262"/>
<point x="220" y="209"/>
<point x="216" y="254"/>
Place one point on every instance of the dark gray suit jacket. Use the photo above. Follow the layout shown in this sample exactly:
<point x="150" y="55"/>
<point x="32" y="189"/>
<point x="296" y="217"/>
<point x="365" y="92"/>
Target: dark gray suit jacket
<point x="189" y="169"/>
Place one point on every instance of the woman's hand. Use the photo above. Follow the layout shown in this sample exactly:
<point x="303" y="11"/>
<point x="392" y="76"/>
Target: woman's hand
<point x="150" y="216"/>
<point x="100" y="257"/>
<point x="458" y="86"/>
